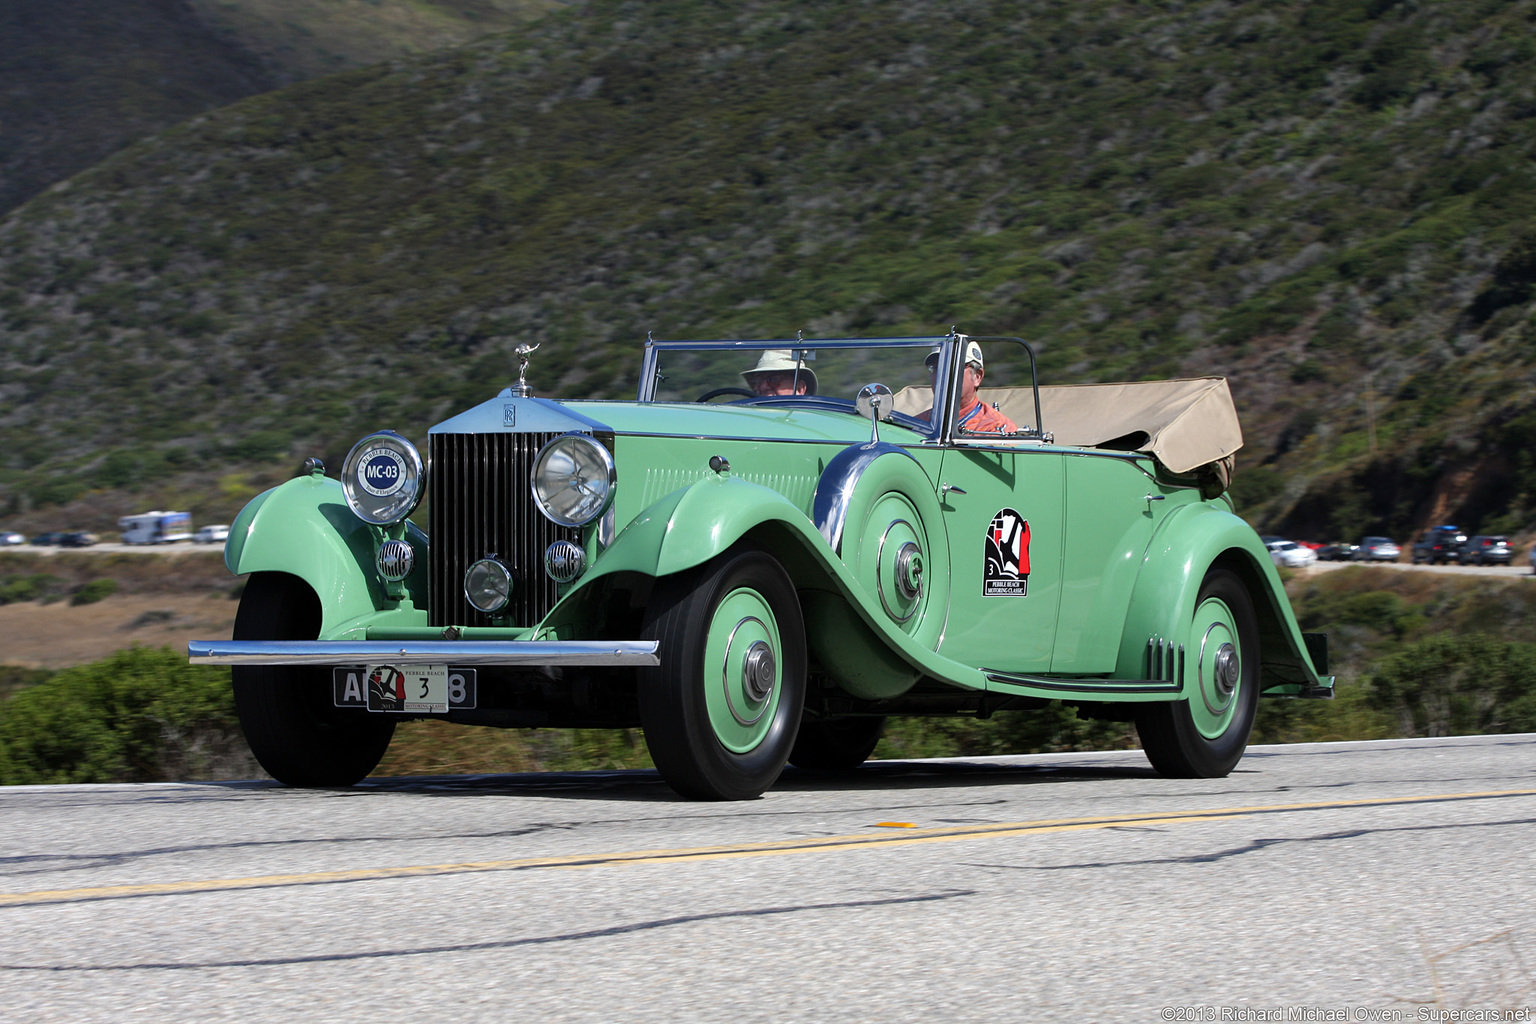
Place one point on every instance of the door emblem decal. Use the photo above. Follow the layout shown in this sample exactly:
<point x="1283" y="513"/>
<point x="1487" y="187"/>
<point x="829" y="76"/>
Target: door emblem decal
<point x="1007" y="570"/>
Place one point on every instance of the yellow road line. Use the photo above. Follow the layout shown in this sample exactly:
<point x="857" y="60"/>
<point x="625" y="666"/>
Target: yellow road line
<point x="763" y="849"/>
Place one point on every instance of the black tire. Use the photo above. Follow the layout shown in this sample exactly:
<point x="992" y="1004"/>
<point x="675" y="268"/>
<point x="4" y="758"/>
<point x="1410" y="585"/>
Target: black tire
<point x="1188" y="742"/>
<point x="721" y="711"/>
<point x="297" y="734"/>
<point x="836" y="744"/>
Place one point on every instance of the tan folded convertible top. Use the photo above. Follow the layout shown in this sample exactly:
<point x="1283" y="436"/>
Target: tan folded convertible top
<point x="1184" y="424"/>
<point x="1187" y="423"/>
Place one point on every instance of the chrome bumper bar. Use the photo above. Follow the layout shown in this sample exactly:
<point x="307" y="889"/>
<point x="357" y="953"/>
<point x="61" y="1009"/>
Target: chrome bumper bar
<point x="415" y="652"/>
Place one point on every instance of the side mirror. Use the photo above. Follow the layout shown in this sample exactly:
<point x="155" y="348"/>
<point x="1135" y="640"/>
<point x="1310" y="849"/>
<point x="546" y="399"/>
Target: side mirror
<point x="875" y="402"/>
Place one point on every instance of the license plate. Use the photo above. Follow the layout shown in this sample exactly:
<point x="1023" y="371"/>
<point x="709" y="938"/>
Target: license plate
<point x="405" y="689"/>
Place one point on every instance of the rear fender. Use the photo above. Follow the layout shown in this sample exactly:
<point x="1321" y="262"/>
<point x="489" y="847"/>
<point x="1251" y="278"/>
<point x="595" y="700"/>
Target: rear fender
<point x="1189" y="542"/>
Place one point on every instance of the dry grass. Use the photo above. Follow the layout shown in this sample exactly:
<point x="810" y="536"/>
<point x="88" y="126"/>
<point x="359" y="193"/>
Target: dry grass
<point x="59" y="635"/>
<point x="162" y="601"/>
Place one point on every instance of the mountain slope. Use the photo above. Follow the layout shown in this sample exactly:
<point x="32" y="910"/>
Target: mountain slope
<point x="80" y="79"/>
<point x="1331" y="202"/>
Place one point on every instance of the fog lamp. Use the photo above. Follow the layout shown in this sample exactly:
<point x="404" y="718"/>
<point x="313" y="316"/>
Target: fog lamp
<point x="488" y="585"/>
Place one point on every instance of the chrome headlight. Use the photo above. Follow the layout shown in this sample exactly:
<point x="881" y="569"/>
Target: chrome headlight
<point x="573" y="479"/>
<point x="382" y="478"/>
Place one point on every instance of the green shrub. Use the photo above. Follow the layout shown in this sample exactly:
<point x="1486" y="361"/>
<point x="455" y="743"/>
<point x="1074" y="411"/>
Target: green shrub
<point x="93" y="591"/>
<point x="14" y="678"/>
<point x="1458" y="686"/>
<point x="142" y="715"/>
<point x="35" y="586"/>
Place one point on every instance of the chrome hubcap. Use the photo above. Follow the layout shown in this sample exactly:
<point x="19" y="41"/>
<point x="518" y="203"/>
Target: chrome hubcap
<point x="757" y="671"/>
<point x="909" y="570"/>
<point x="1228" y="668"/>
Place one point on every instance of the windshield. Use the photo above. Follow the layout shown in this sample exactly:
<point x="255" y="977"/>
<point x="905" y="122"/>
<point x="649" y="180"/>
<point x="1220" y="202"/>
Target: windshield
<point x="828" y="373"/>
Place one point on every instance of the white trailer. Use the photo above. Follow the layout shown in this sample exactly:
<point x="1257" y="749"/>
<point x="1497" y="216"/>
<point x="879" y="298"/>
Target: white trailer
<point x="156" y="527"/>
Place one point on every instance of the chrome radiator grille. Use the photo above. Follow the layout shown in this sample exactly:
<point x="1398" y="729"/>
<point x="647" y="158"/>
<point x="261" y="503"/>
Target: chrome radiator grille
<point x="480" y="505"/>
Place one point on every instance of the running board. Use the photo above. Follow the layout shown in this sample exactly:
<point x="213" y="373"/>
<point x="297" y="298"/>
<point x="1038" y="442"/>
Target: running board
<point x="1163" y="664"/>
<point x="1086" y="687"/>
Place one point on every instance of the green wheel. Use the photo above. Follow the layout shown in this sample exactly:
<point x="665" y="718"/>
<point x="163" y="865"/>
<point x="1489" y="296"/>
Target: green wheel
<point x="297" y="734"/>
<point x="1204" y="736"/>
<point x="721" y="711"/>
<point x="836" y="744"/>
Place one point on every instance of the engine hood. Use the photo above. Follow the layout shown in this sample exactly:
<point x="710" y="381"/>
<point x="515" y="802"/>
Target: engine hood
<point x="661" y="419"/>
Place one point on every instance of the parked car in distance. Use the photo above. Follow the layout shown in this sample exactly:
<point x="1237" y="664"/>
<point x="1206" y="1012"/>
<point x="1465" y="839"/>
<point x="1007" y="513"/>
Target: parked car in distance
<point x="1438" y="546"/>
<point x="762" y="580"/>
<point x="79" y="539"/>
<point x="156" y="527"/>
<point x="51" y="539"/>
<point x="1290" y="555"/>
<point x="216" y="534"/>
<point x="1337" y="552"/>
<point x="10" y="538"/>
<point x="1486" y="549"/>
<point x="1377" y="549"/>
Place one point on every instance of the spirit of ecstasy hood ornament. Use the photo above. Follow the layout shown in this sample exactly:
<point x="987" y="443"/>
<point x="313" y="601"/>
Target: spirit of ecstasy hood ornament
<point x="521" y="388"/>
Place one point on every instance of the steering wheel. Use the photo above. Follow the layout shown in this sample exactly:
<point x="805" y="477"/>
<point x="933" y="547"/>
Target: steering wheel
<point x="717" y="392"/>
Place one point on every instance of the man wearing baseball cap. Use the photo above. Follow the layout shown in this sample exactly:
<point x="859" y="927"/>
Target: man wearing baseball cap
<point x="976" y="416"/>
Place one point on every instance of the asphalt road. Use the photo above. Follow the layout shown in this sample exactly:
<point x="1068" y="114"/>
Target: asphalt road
<point x="1376" y="880"/>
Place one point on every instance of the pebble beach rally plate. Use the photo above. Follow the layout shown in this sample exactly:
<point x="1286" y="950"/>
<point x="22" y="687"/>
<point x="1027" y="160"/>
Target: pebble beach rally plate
<point x="381" y="472"/>
<point x="408" y="689"/>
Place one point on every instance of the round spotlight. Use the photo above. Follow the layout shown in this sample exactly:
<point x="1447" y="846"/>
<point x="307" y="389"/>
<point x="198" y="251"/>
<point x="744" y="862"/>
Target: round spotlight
<point x="573" y="479"/>
<point x="396" y="559"/>
<point x="564" y="561"/>
<point x="488" y="585"/>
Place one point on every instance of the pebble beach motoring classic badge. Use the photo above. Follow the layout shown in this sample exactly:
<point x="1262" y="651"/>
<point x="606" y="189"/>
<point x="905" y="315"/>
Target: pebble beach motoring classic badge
<point x="381" y="471"/>
<point x="1007" y="571"/>
<point x="386" y="688"/>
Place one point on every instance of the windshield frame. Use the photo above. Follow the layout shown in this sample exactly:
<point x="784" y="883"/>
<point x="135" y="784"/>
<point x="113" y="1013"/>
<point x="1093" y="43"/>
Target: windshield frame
<point x="945" y="379"/>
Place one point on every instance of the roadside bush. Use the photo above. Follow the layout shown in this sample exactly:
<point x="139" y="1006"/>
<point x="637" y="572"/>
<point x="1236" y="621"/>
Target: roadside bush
<point x="18" y="677"/>
<point x="93" y="591"/>
<point x="35" y="586"/>
<point x="142" y="715"/>
<point x="1458" y="686"/>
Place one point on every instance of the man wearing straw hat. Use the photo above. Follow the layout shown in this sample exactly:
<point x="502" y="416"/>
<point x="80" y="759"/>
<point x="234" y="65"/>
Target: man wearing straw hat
<point x="778" y="373"/>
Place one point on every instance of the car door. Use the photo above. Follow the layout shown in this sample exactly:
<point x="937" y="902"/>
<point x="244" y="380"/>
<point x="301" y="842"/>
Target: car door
<point x="1115" y="504"/>
<point x="1003" y="508"/>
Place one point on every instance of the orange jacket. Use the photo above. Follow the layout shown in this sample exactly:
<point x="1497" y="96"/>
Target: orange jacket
<point x="982" y="418"/>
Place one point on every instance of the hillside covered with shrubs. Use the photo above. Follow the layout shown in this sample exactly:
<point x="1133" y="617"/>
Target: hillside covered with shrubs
<point x="1333" y="203"/>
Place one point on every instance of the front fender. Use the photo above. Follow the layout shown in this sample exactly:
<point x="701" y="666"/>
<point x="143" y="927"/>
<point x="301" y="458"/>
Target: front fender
<point x="1191" y="540"/>
<point x="691" y="525"/>
<point x="694" y="524"/>
<point x="304" y="528"/>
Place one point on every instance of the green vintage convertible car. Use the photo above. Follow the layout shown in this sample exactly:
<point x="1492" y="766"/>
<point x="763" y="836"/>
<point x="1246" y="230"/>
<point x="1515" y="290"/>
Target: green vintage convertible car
<point x="774" y="547"/>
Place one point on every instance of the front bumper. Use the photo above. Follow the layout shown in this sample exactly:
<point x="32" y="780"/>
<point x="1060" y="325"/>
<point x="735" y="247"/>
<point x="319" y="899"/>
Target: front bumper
<point x="402" y="652"/>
